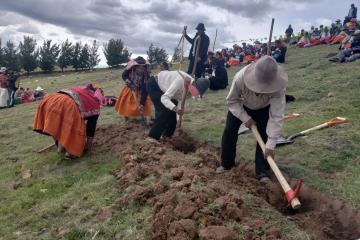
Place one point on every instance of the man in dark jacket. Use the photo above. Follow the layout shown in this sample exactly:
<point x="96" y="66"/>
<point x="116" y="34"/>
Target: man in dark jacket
<point x="201" y="41"/>
<point x="289" y="31"/>
<point x="220" y="80"/>
<point x="11" y="82"/>
<point x="352" y="14"/>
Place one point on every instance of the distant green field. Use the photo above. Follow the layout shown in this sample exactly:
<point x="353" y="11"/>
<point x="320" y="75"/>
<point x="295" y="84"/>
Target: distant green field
<point x="66" y="195"/>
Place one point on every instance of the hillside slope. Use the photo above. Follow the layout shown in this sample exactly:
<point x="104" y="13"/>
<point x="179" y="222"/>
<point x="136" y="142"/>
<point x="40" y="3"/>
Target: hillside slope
<point x="76" y="199"/>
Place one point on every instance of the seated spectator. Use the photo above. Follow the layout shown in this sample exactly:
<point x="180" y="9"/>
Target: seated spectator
<point x="233" y="61"/>
<point x="325" y="36"/>
<point x="340" y="37"/>
<point x="339" y="24"/>
<point x="304" y="41"/>
<point x="219" y="80"/>
<point x="350" y="54"/>
<point x="249" y="55"/>
<point x="220" y="57"/>
<point x="346" y="43"/>
<point x="334" y="30"/>
<point x="210" y="57"/>
<point x="39" y="93"/>
<point x="312" y="29"/>
<point x="280" y="51"/>
<point x="352" y="25"/>
<point x="27" y="96"/>
<point x="19" y="92"/>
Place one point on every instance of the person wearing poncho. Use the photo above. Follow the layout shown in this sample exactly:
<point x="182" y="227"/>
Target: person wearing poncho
<point x="133" y="100"/>
<point x="70" y="117"/>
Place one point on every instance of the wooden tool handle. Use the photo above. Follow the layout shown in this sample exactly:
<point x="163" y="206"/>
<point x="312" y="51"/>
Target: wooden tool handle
<point x="270" y="37"/>
<point x="197" y="50"/>
<point x="295" y="203"/>
<point x="46" y="148"/>
<point x="314" y="128"/>
<point x="183" y="99"/>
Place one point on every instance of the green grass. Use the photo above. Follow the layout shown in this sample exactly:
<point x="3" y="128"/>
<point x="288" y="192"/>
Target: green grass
<point x="327" y="159"/>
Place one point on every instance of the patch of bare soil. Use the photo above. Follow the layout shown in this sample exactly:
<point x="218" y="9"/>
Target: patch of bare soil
<point x="191" y="201"/>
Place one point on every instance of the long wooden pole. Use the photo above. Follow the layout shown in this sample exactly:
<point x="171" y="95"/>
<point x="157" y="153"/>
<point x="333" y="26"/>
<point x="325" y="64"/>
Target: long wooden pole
<point x="183" y="99"/>
<point x="197" y="51"/>
<point x="295" y="203"/>
<point x="270" y="37"/>
<point x="215" y="40"/>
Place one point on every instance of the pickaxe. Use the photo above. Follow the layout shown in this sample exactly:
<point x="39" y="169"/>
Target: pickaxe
<point x="291" y="195"/>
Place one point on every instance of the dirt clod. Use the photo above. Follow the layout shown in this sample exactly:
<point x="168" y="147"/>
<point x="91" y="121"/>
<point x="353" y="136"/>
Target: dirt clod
<point x="217" y="233"/>
<point x="191" y="201"/>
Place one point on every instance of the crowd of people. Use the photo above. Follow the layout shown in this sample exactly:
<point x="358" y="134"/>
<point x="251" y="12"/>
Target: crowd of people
<point x="346" y="34"/>
<point x="248" y="53"/>
<point x="257" y="97"/>
<point x="11" y="93"/>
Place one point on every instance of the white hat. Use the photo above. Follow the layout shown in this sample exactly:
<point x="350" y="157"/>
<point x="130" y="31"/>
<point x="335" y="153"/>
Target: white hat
<point x="3" y="69"/>
<point x="39" y="89"/>
<point x="265" y="76"/>
<point x="357" y="32"/>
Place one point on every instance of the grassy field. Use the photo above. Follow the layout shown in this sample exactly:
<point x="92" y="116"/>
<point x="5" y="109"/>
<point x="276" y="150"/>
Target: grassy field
<point x="65" y="196"/>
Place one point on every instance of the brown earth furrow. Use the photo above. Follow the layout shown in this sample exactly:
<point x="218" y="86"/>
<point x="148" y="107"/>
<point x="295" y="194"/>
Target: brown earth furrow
<point x="191" y="201"/>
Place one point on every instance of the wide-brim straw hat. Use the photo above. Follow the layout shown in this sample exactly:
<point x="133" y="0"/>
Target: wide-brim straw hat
<point x="265" y="76"/>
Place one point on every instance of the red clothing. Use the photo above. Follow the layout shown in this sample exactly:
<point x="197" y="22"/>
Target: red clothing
<point x="27" y="96"/>
<point x="3" y="81"/>
<point x="88" y="103"/>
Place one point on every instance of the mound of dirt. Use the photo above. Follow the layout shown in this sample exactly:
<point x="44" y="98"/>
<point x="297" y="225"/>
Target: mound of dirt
<point x="191" y="201"/>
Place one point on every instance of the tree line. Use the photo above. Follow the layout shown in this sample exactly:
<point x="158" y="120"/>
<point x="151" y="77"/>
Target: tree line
<point x="28" y="56"/>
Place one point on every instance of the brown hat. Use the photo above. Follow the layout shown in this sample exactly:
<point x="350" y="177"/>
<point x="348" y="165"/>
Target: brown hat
<point x="265" y="76"/>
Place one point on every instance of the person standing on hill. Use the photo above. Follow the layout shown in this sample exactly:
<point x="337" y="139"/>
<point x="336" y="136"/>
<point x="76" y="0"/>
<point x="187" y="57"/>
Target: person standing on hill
<point x="3" y="88"/>
<point x="256" y="97"/>
<point x="201" y="41"/>
<point x="12" y="88"/>
<point x="289" y="31"/>
<point x="352" y="14"/>
<point x="133" y="100"/>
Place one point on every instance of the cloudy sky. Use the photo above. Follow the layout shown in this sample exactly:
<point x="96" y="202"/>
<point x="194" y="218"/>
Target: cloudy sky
<point x="141" y="22"/>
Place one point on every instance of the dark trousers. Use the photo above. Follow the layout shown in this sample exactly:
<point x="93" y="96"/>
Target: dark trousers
<point x="91" y="125"/>
<point x="216" y="85"/>
<point x="200" y="68"/>
<point x="165" y="119"/>
<point x="11" y="100"/>
<point x="230" y="137"/>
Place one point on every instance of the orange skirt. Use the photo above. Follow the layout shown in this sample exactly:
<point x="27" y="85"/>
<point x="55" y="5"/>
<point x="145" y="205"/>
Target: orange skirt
<point x="59" y="116"/>
<point x="338" y="39"/>
<point x="249" y="59"/>
<point x="127" y="106"/>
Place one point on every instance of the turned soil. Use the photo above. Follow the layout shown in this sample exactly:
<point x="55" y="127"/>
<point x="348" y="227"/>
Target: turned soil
<point x="191" y="201"/>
